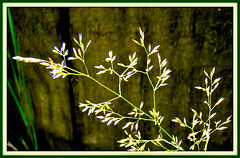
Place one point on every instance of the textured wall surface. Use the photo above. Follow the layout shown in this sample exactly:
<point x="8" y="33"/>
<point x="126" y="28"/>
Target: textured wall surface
<point x="192" y="40"/>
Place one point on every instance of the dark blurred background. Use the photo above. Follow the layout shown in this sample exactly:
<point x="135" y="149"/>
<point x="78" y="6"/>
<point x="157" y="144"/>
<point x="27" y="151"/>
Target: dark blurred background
<point x="191" y="39"/>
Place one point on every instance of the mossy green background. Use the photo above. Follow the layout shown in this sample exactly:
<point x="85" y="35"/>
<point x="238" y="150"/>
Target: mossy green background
<point x="192" y="40"/>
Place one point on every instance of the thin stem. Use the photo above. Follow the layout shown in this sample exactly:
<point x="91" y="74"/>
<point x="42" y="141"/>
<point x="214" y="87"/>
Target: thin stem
<point x="76" y="72"/>
<point x="150" y="81"/>
<point x="129" y="117"/>
<point x="209" y="114"/>
<point x="154" y="99"/>
<point x="111" y="100"/>
<point x="205" y="148"/>
<point x="144" y="119"/>
<point x="85" y="67"/>
<point x="147" y="141"/>
<point x="126" y="117"/>
<point x="136" y="107"/>
<point x="164" y="131"/>
<point x="103" y="86"/>
<point x="124" y="71"/>
<point x="147" y="67"/>
<point x="141" y="71"/>
<point x="160" y="73"/>
<point x="115" y="73"/>
<point x="145" y="49"/>
<point x="120" y="79"/>
<point x="210" y="103"/>
<point x="119" y="85"/>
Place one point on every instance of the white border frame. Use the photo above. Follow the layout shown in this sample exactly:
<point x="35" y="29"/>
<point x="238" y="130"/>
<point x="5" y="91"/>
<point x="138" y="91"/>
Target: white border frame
<point x="116" y="153"/>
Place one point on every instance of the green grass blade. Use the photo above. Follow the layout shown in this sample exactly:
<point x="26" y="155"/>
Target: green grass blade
<point x="14" y="72"/>
<point x="20" y="140"/>
<point x="14" y="41"/>
<point x="24" y="118"/>
<point x="24" y="144"/>
<point x="29" y="110"/>
<point x="17" y="80"/>
<point x="23" y="115"/>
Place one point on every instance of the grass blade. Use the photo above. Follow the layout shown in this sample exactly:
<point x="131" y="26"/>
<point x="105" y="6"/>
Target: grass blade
<point x="24" y="118"/>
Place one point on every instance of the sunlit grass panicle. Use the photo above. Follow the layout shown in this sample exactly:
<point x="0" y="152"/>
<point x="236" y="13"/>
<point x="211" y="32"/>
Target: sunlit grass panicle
<point x="105" y="110"/>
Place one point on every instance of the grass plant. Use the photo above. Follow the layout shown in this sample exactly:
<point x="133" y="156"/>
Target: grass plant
<point x="20" y="93"/>
<point x="106" y="112"/>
